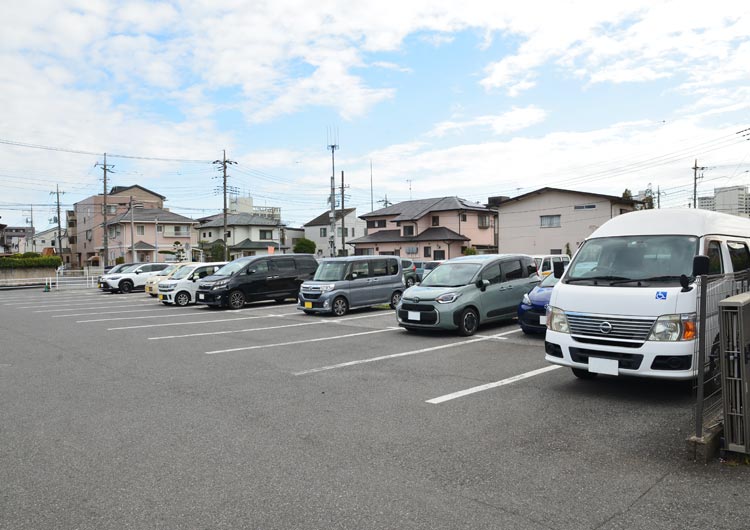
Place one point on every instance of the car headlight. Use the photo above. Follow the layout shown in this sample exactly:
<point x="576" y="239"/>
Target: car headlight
<point x="326" y="287"/>
<point x="674" y="328"/>
<point x="526" y="300"/>
<point x="220" y="284"/>
<point x="447" y="298"/>
<point x="113" y="278"/>
<point x="556" y="320"/>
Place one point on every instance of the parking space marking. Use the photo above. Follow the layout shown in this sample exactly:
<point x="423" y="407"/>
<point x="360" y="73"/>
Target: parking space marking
<point x="172" y="315"/>
<point x="305" y="341"/>
<point x="480" y="388"/>
<point x="190" y="323"/>
<point x="248" y="330"/>
<point x="109" y="306"/>
<point x="404" y="354"/>
<point x="59" y="303"/>
<point x="120" y="312"/>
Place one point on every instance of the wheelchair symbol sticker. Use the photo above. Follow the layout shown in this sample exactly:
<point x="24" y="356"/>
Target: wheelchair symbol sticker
<point x="661" y="295"/>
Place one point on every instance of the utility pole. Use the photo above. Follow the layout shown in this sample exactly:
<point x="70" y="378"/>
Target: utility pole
<point x="695" y="182"/>
<point x="409" y="181"/>
<point x="372" y="203"/>
<point x="132" y="232"/>
<point x="105" y="169"/>
<point x="59" y="228"/>
<point x="385" y="202"/>
<point x="333" y="146"/>
<point x="659" y="193"/>
<point x="223" y="162"/>
<point x="343" y="215"/>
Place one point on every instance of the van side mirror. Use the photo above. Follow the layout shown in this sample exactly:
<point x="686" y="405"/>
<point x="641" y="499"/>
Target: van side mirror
<point x="558" y="268"/>
<point x="250" y="271"/>
<point x="482" y="284"/>
<point x="701" y="265"/>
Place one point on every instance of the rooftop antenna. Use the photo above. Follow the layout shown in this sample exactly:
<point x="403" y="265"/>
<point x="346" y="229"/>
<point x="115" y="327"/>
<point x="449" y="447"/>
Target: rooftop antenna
<point x="332" y="143"/>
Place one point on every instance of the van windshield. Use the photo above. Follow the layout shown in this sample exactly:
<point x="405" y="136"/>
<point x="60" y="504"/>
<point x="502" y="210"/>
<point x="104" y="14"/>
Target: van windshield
<point x="331" y="271"/>
<point x="451" y="275"/>
<point x="625" y="260"/>
<point x="231" y="268"/>
<point x="184" y="272"/>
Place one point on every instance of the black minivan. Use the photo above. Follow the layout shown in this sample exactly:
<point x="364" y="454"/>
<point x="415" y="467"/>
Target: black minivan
<point x="254" y="278"/>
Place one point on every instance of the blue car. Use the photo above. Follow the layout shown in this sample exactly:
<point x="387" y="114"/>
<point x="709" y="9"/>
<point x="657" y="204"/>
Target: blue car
<point x="533" y="308"/>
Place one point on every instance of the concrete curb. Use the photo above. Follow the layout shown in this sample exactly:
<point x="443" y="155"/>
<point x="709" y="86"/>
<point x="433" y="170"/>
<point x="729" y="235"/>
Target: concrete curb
<point x="706" y="448"/>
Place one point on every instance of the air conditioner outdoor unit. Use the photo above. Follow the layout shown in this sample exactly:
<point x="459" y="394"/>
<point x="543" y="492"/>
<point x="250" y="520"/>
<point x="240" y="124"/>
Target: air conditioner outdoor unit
<point x="734" y="319"/>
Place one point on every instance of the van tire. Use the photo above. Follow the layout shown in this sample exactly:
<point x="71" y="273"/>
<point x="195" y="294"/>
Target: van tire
<point x="308" y="312"/>
<point x="126" y="286"/>
<point x="340" y="306"/>
<point x="409" y="282"/>
<point x="583" y="374"/>
<point x="279" y="300"/>
<point x="468" y="322"/>
<point x="395" y="299"/>
<point x="236" y="299"/>
<point x="182" y="299"/>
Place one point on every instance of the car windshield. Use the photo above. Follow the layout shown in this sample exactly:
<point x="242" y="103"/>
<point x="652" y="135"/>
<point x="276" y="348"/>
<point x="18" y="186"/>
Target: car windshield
<point x="117" y="268"/>
<point x="231" y="268"/>
<point x="549" y="281"/>
<point x="129" y="268"/>
<point x="451" y="275"/>
<point x="625" y="259"/>
<point x="184" y="272"/>
<point x="331" y="271"/>
<point x="167" y="271"/>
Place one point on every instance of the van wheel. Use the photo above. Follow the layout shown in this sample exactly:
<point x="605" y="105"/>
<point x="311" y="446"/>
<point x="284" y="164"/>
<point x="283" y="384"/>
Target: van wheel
<point x="126" y="286"/>
<point x="468" y="323"/>
<point x="236" y="300"/>
<point x="583" y="374"/>
<point x="308" y="312"/>
<point x="182" y="298"/>
<point x="280" y="300"/>
<point x="409" y="282"/>
<point x="340" y="306"/>
<point x="395" y="299"/>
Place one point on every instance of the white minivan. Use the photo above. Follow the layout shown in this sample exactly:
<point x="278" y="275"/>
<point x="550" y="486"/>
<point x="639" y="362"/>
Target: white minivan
<point x="181" y="287"/>
<point x="621" y="306"/>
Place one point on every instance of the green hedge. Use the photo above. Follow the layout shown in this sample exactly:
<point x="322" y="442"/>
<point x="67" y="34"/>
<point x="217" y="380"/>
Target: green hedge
<point x="30" y="263"/>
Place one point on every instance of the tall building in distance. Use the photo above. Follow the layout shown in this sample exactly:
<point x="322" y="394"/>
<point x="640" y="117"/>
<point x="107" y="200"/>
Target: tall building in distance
<point x="734" y="200"/>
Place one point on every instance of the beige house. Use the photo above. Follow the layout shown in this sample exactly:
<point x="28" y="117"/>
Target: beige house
<point x="440" y="228"/>
<point x="554" y="220"/>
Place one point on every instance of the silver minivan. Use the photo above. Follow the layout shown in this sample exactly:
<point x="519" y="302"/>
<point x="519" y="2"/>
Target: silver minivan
<point x="341" y="284"/>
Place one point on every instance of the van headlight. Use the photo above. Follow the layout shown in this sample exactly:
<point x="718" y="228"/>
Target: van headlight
<point x="526" y="300"/>
<point x="447" y="298"/>
<point x="220" y="284"/>
<point x="556" y="320"/>
<point x="324" y="288"/>
<point x="674" y="328"/>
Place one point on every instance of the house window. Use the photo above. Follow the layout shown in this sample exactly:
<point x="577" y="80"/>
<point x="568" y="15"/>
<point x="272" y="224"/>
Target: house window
<point x="140" y="230"/>
<point x="584" y="207"/>
<point x="323" y="232"/>
<point x="435" y="220"/>
<point x="463" y="217"/>
<point x="112" y="232"/>
<point x="379" y="223"/>
<point x="88" y="235"/>
<point x="209" y="234"/>
<point x="427" y="252"/>
<point x="549" y="221"/>
<point x="160" y="228"/>
<point x="408" y="230"/>
<point x="483" y="221"/>
<point x="229" y="233"/>
<point x="266" y="234"/>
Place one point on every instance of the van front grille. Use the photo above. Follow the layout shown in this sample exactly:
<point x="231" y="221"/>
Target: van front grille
<point x="610" y="328"/>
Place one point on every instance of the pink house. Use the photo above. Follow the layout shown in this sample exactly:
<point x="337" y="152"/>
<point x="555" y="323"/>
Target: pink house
<point x="440" y="228"/>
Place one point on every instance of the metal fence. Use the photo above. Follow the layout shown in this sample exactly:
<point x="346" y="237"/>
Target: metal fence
<point x="709" y="400"/>
<point x="64" y="279"/>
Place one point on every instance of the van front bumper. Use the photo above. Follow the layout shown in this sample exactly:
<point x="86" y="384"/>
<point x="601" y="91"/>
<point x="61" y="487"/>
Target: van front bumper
<point x="652" y="359"/>
<point x="213" y="298"/>
<point x="314" y="303"/>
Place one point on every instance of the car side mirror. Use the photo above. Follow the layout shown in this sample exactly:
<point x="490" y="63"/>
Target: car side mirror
<point x="558" y="268"/>
<point x="482" y="284"/>
<point x="701" y="265"/>
<point x="250" y="271"/>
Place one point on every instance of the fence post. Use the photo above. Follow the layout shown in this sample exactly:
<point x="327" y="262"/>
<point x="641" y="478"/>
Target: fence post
<point x="702" y="325"/>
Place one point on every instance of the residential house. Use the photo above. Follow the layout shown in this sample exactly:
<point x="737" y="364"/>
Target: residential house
<point x="439" y="228"/>
<point x="348" y="227"/>
<point x="248" y="234"/>
<point x="152" y="235"/>
<point x="290" y="236"/>
<point x="86" y="222"/>
<point x="16" y="239"/>
<point x="553" y="220"/>
<point x="48" y="239"/>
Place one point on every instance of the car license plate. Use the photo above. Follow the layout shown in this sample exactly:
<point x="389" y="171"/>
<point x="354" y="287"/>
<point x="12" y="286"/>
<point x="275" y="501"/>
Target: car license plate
<point x="201" y="296"/>
<point x="543" y="320"/>
<point x="161" y="297"/>
<point x="603" y="366"/>
<point x="413" y="315"/>
<point x="308" y="305"/>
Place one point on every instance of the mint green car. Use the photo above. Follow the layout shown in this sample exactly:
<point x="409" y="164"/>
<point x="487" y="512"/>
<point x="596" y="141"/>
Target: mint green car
<point x="466" y="292"/>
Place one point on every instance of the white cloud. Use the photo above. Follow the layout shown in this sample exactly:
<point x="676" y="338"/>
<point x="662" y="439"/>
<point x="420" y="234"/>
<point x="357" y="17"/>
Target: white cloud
<point x="511" y="121"/>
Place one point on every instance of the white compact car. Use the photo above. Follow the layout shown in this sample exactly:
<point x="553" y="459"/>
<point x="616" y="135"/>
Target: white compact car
<point x="130" y="278"/>
<point x="181" y="287"/>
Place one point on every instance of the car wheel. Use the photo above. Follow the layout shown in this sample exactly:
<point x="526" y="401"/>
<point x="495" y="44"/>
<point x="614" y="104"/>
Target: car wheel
<point x="182" y="299"/>
<point x="409" y="282"/>
<point x="126" y="286"/>
<point x="308" y="312"/>
<point x="468" y="323"/>
<point x="166" y="303"/>
<point x="280" y="300"/>
<point x="236" y="300"/>
<point x="583" y="374"/>
<point x="152" y="295"/>
<point x="340" y="306"/>
<point x="527" y="331"/>
<point x="395" y="299"/>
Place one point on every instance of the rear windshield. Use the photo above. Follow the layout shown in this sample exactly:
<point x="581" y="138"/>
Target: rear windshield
<point x="331" y="271"/>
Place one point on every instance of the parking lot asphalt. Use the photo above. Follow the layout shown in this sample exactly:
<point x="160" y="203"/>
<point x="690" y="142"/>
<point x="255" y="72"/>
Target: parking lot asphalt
<point x="120" y="412"/>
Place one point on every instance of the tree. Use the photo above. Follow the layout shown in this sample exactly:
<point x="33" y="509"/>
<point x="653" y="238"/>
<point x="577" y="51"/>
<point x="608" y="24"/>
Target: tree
<point x="648" y="198"/>
<point x="470" y="251"/>
<point x="627" y="194"/>
<point x="216" y="251"/>
<point x="304" y="246"/>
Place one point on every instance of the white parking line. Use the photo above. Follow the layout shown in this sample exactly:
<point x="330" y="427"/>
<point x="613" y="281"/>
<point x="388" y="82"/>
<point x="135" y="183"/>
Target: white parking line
<point x="110" y="306"/>
<point x="190" y="323"/>
<point x="173" y="315"/>
<point x="248" y="330"/>
<point x="405" y="354"/>
<point x="59" y="303"/>
<point x="488" y="386"/>
<point x="120" y="312"/>
<point x="305" y="341"/>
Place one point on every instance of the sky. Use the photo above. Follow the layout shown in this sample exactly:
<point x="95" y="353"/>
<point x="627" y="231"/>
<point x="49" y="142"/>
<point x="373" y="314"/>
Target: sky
<point x="424" y="98"/>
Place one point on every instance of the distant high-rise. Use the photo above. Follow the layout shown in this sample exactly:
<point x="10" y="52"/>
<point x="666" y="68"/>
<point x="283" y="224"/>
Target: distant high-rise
<point x="734" y="200"/>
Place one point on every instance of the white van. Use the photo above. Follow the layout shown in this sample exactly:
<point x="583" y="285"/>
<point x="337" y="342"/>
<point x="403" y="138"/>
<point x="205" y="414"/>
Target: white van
<point x="180" y="288"/>
<point x="545" y="264"/>
<point x="620" y="308"/>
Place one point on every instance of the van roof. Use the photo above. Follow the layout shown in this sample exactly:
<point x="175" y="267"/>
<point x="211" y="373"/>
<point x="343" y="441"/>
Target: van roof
<point x="357" y="258"/>
<point x="481" y="258"/>
<point x="673" y="221"/>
